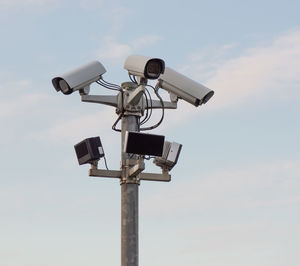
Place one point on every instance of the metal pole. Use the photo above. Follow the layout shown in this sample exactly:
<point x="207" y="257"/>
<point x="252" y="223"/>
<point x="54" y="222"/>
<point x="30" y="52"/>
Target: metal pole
<point x="129" y="201"/>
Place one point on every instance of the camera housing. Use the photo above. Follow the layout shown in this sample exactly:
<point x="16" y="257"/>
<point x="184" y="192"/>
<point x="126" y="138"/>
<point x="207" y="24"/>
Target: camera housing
<point x="145" y="67"/>
<point x="184" y="87"/>
<point x="170" y="155"/>
<point x="143" y="144"/>
<point x="89" y="150"/>
<point x="79" y="78"/>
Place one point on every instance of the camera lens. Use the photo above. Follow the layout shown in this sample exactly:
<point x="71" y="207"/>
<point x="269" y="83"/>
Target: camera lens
<point x="153" y="69"/>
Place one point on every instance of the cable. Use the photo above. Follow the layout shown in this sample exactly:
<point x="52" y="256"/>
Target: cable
<point x="147" y="111"/>
<point x="114" y="87"/>
<point x="112" y="84"/>
<point x="132" y="78"/>
<point x="146" y="115"/>
<point x="121" y="115"/>
<point x="110" y="87"/>
<point x="107" y="86"/>
<point x="163" y="110"/>
<point x="148" y="118"/>
<point x="105" y="163"/>
<point x="116" y="122"/>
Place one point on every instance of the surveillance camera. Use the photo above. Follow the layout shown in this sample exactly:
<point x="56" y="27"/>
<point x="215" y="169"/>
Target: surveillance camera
<point x="79" y="78"/>
<point x="145" y="67"/>
<point x="184" y="87"/>
<point x="169" y="156"/>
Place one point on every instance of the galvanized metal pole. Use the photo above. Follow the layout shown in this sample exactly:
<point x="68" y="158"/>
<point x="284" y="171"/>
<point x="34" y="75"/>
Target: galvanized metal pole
<point x="129" y="201"/>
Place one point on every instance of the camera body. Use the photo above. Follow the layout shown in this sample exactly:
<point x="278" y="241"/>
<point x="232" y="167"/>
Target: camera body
<point x="145" y="67"/>
<point x="79" y="78"/>
<point x="184" y="87"/>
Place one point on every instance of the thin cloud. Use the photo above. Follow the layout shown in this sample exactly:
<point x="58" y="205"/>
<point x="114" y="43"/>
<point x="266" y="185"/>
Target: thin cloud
<point x="259" y="72"/>
<point x="114" y="50"/>
<point x="146" y="41"/>
<point x="88" y="4"/>
<point x="20" y="105"/>
<point x="250" y="187"/>
<point x="75" y="128"/>
<point x="20" y="4"/>
<point x="18" y="98"/>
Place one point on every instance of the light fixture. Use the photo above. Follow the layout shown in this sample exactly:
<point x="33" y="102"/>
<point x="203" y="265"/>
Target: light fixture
<point x="169" y="156"/>
<point x="143" y="144"/>
<point x="89" y="150"/>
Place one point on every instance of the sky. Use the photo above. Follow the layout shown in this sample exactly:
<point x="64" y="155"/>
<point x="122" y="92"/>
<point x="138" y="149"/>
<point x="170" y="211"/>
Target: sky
<point x="234" y="195"/>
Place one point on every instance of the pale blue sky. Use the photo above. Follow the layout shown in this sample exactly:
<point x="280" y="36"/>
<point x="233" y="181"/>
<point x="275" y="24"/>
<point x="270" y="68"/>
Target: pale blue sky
<point x="234" y="195"/>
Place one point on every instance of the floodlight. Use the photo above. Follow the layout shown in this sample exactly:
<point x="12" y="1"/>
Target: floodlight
<point x="169" y="156"/>
<point x="89" y="150"/>
<point x="143" y="144"/>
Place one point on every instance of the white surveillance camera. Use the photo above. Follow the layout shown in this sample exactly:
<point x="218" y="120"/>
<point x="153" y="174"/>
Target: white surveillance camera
<point x="184" y="87"/>
<point x="170" y="155"/>
<point x="145" y="67"/>
<point x="79" y="78"/>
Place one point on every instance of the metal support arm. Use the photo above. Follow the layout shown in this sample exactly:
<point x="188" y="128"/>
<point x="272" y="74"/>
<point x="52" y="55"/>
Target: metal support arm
<point x="167" y="105"/>
<point x="136" y="169"/>
<point x="105" y="173"/>
<point x="164" y="177"/>
<point x="102" y="99"/>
